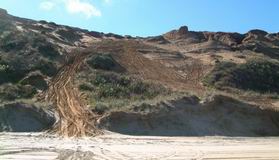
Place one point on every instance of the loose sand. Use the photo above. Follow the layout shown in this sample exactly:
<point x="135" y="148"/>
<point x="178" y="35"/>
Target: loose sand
<point x="38" y="146"/>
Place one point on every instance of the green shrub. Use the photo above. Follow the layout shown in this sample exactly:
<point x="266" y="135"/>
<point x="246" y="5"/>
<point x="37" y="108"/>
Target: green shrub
<point x="43" y="22"/>
<point x="3" y="67"/>
<point x="35" y="79"/>
<point x="48" y="50"/>
<point x="10" y="92"/>
<point x="86" y="87"/>
<point x="104" y="62"/>
<point x="256" y="75"/>
<point x="113" y="85"/>
<point x="53" y="24"/>
<point x="70" y="35"/>
<point x="12" y="72"/>
<point x="13" y="41"/>
<point x="5" y="25"/>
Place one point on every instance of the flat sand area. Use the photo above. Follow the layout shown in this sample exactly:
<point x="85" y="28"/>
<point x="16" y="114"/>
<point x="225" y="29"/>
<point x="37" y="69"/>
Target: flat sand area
<point x="112" y="146"/>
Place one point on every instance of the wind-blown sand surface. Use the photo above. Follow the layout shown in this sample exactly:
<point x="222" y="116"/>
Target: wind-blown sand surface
<point x="39" y="146"/>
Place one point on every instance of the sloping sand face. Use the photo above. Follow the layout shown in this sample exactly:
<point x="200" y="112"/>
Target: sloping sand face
<point x="19" y="117"/>
<point x="187" y="116"/>
<point x="35" y="146"/>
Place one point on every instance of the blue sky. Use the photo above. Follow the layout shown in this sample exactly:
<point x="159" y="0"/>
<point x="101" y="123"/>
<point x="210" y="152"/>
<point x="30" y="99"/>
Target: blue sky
<point x="151" y="17"/>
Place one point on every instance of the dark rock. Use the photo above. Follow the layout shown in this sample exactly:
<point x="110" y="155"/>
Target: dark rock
<point x="229" y="39"/>
<point x="183" y="30"/>
<point x="185" y="35"/>
<point x="177" y="34"/>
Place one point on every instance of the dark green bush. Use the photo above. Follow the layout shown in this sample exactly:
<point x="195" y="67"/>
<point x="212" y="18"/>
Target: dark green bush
<point x="104" y="62"/>
<point x="11" y="72"/>
<point x="21" y="53"/>
<point x="70" y="35"/>
<point x="35" y="79"/>
<point x="53" y="24"/>
<point x="86" y="87"/>
<point x="257" y="75"/>
<point x="43" y="22"/>
<point x="5" y="25"/>
<point x="10" y="92"/>
<point x="16" y="68"/>
<point x="48" y="50"/>
<point x="46" y="67"/>
<point x="13" y="41"/>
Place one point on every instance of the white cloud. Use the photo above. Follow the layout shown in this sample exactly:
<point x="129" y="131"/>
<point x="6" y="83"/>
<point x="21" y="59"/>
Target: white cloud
<point x="77" y="6"/>
<point x="47" y="5"/>
<point x="73" y="7"/>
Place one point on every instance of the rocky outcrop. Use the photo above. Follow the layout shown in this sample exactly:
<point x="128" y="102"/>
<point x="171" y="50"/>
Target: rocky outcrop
<point x="261" y="42"/>
<point x="183" y="34"/>
<point x="177" y="34"/>
<point x="258" y="32"/>
<point x="255" y="34"/>
<point x="230" y="39"/>
<point x="183" y="30"/>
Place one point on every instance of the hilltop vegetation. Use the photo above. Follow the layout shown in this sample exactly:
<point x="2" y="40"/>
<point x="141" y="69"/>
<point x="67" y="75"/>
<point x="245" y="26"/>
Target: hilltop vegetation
<point x="257" y="75"/>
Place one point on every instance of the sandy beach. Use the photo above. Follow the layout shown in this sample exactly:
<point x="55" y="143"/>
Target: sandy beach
<point x="39" y="146"/>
